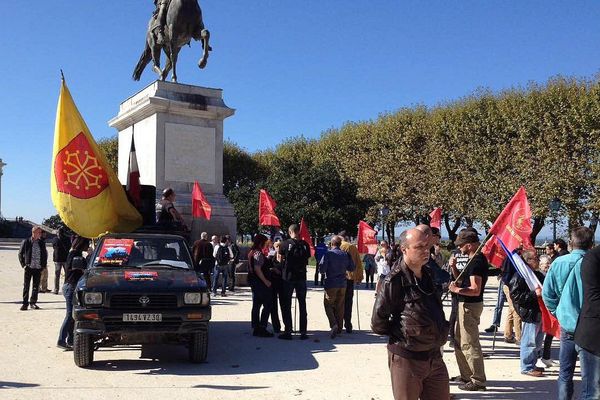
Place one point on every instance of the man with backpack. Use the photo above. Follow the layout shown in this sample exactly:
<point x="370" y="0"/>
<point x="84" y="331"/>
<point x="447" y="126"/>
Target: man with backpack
<point x="295" y="253"/>
<point x="223" y="258"/>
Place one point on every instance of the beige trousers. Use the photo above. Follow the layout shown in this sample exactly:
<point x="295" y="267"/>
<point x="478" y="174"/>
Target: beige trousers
<point x="467" y="348"/>
<point x="513" y="321"/>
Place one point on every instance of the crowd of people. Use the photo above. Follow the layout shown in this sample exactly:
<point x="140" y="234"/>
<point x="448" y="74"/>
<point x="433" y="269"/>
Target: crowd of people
<point x="412" y="277"/>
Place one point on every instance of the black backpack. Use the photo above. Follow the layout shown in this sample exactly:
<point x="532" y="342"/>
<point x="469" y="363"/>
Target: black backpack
<point x="295" y="261"/>
<point x="223" y="255"/>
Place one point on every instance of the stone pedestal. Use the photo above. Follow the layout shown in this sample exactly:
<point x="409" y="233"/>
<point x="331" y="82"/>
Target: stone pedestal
<point x="178" y="131"/>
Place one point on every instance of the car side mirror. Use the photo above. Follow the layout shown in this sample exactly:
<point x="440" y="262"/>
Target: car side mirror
<point x="78" y="263"/>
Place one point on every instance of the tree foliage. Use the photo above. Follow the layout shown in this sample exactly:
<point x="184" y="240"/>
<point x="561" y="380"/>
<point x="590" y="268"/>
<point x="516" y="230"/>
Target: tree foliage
<point x="110" y="147"/>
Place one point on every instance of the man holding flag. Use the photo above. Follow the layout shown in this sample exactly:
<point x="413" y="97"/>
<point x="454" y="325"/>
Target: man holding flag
<point x="470" y="306"/>
<point x="525" y="290"/>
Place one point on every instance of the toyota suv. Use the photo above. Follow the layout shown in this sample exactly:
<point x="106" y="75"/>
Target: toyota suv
<point x="140" y="288"/>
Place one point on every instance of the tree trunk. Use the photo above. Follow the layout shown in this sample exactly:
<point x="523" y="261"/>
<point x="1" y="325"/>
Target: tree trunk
<point x="469" y="222"/>
<point x="594" y="222"/>
<point x="538" y="224"/>
<point x="451" y="230"/>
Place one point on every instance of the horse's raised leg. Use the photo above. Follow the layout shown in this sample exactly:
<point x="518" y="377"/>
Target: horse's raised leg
<point x="205" y="35"/>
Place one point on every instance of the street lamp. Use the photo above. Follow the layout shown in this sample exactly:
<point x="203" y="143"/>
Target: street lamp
<point x="555" y="205"/>
<point x="384" y="212"/>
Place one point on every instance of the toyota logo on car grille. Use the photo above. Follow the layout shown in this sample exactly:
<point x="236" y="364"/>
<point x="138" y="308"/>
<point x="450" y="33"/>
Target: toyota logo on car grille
<point x="144" y="300"/>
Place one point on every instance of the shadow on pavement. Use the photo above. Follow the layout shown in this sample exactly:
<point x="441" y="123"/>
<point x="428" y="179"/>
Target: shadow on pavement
<point x="16" y="385"/>
<point x="530" y="390"/>
<point x="234" y="351"/>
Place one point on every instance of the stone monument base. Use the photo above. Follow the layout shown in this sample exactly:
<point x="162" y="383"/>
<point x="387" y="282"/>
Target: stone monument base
<point x="178" y="132"/>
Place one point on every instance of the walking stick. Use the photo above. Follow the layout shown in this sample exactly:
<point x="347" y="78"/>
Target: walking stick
<point x="494" y="340"/>
<point x="357" y="310"/>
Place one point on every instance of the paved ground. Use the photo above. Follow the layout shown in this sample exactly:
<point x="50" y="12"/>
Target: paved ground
<point x="239" y="365"/>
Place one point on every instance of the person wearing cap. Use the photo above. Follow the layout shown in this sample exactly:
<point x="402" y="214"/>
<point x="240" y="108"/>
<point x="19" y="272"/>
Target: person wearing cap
<point x="467" y="349"/>
<point x="168" y="215"/>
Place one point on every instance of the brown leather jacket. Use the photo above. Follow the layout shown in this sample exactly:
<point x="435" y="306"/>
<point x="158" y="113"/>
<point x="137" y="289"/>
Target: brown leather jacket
<point x="410" y="312"/>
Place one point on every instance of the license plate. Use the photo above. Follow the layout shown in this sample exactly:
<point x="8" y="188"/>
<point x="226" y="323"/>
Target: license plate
<point x="142" y="317"/>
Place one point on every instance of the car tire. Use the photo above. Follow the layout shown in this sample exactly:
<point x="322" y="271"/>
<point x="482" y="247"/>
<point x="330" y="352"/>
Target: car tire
<point x="198" y="349"/>
<point x="83" y="350"/>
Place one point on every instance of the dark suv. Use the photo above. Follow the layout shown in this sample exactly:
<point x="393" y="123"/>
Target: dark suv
<point x="140" y="288"/>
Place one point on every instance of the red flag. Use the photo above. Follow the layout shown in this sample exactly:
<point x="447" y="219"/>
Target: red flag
<point x="513" y="227"/>
<point x="200" y="207"/>
<point x="133" y="187"/>
<point x="494" y="253"/>
<point x="436" y="218"/>
<point x="266" y="210"/>
<point x="367" y="242"/>
<point x="550" y="324"/>
<point x="305" y="235"/>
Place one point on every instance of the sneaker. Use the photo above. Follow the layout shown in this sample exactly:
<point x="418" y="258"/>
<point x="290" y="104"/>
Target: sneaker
<point x="459" y="379"/>
<point x="223" y="294"/>
<point x="55" y="291"/>
<point x="549" y="362"/>
<point x="539" y="369"/>
<point x="472" y="387"/>
<point x="510" y="339"/>
<point x="35" y="307"/>
<point x="23" y="307"/>
<point x="491" y="329"/>
<point x="64" y="346"/>
<point x="285" y="336"/>
<point x="534" y="373"/>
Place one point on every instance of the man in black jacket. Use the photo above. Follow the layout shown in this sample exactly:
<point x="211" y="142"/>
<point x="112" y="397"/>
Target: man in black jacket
<point x="61" y="245"/>
<point x="525" y="302"/>
<point x="588" y="326"/>
<point x="409" y="311"/>
<point x="33" y="257"/>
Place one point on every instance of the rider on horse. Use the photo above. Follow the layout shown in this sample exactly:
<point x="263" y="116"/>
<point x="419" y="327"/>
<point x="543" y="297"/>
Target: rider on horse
<point x="160" y="19"/>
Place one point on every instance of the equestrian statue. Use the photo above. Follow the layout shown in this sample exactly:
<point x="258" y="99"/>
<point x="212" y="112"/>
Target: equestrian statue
<point x="172" y="25"/>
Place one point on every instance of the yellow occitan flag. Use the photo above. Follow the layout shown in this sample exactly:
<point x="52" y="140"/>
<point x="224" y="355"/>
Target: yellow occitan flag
<point x="85" y="190"/>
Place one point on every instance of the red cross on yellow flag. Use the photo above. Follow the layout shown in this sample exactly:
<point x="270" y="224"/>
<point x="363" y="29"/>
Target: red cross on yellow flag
<point x="85" y="190"/>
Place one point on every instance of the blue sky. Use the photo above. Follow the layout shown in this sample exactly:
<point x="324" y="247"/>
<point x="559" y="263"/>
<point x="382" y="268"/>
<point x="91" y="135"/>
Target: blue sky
<point x="287" y="67"/>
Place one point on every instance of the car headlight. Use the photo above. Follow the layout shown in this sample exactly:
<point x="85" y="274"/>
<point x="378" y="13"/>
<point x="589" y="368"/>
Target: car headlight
<point x="92" y="298"/>
<point x="205" y="299"/>
<point x="192" y="298"/>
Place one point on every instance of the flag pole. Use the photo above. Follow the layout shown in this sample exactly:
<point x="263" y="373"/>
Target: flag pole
<point x="459" y="278"/>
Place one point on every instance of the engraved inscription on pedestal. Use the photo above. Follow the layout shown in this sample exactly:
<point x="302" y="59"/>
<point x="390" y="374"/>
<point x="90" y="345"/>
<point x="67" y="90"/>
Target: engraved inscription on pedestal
<point x="189" y="153"/>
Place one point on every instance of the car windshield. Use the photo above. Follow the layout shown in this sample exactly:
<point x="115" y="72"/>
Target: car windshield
<point x="137" y="252"/>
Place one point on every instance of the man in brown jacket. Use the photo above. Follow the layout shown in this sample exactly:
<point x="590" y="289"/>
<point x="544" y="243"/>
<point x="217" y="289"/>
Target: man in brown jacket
<point x="353" y="277"/>
<point x="416" y="328"/>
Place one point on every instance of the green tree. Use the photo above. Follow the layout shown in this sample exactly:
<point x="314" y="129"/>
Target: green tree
<point x="110" y="147"/>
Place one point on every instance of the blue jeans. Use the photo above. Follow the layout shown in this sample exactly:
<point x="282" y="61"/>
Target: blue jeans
<point x="590" y="374"/>
<point x="531" y="345"/>
<point x="567" y="358"/>
<point x="499" y="305"/>
<point x="223" y="269"/>
<point x="66" y="329"/>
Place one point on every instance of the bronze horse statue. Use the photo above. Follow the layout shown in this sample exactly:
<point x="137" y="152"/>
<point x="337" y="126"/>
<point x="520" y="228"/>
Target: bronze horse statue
<point x="183" y="23"/>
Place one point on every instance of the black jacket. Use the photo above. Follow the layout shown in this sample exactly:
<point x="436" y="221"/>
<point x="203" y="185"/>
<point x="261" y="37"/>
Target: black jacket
<point x="25" y="253"/>
<point x="410" y="313"/>
<point x="61" y="246"/>
<point x="525" y="301"/>
<point x="588" y="325"/>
